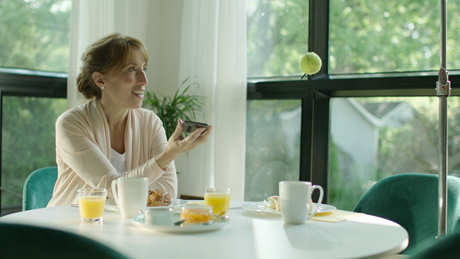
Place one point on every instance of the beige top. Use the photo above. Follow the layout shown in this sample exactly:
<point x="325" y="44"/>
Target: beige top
<point x="83" y="152"/>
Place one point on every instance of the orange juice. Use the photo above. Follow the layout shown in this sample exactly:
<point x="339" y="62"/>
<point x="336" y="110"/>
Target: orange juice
<point x="91" y="207"/>
<point x="220" y="201"/>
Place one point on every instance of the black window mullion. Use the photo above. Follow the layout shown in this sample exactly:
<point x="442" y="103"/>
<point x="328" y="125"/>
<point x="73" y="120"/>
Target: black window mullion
<point x="318" y="41"/>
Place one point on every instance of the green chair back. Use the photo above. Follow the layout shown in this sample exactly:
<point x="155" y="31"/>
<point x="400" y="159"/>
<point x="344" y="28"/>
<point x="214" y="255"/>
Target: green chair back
<point x="21" y="241"/>
<point x="411" y="200"/>
<point x="38" y="188"/>
<point x="447" y="248"/>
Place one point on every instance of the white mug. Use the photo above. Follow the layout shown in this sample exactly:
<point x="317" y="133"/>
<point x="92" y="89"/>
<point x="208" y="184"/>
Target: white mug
<point x="295" y="198"/>
<point x="130" y="195"/>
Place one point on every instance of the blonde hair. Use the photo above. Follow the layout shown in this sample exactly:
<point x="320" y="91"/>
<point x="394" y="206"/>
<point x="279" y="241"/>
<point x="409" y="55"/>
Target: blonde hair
<point x="107" y="54"/>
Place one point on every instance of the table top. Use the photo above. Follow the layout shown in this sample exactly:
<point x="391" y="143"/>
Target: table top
<point x="248" y="234"/>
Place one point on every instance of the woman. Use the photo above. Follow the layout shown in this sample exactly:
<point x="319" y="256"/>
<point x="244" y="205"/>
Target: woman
<point x="111" y="136"/>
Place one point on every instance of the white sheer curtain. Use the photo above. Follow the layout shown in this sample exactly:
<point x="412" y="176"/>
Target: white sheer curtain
<point x="205" y="39"/>
<point x="93" y="19"/>
<point x="213" y="48"/>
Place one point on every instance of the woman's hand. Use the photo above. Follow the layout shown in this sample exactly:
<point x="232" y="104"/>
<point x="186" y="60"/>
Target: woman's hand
<point x="178" y="145"/>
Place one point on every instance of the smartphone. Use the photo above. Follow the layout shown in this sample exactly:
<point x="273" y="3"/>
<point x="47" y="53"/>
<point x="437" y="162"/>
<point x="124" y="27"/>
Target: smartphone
<point x="191" y="126"/>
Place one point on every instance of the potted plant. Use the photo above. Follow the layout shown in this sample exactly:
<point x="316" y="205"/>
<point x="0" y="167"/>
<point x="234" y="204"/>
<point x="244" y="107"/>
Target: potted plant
<point x="181" y="106"/>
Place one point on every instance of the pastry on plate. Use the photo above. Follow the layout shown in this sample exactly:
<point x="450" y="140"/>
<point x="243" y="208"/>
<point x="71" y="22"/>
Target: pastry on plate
<point x="273" y="202"/>
<point x="158" y="198"/>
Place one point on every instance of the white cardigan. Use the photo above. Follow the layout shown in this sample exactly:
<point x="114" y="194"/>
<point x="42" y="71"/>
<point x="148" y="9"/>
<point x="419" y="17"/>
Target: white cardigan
<point x="83" y="152"/>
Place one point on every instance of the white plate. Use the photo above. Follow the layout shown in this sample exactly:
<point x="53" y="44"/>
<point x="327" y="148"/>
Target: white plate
<point x="260" y="207"/>
<point x="139" y="221"/>
<point x="174" y="203"/>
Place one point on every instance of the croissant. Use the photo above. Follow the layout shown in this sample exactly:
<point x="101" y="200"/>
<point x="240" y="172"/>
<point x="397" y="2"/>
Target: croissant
<point x="158" y="198"/>
<point x="273" y="202"/>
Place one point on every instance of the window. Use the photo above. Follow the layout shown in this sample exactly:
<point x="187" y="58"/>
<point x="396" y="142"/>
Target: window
<point x="34" y="46"/>
<point x="383" y="136"/>
<point x="272" y="146"/>
<point x="389" y="36"/>
<point x="27" y="141"/>
<point x="34" y="34"/>
<point x="277" y="36"/>
<point x="374" y="95"/>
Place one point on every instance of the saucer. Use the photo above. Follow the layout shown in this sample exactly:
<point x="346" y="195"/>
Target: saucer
<point x="139" y="221"/>
<point x="175" y="203"/>
<point x="260" y="207"/>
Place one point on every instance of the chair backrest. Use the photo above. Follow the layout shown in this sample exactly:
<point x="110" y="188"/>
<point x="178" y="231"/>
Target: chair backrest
<point x="411" y="200"/>
<point x="446" y="248"/>
<point x="21" y="241"/>
<point x="38" y="188"/>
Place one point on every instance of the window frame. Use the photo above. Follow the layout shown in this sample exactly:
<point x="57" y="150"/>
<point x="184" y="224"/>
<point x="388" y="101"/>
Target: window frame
<point x="27" y="83"/>
<point x="317" y="90"/>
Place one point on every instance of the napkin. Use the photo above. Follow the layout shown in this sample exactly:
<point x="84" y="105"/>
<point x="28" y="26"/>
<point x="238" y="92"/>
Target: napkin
<point x="336" y="216"/>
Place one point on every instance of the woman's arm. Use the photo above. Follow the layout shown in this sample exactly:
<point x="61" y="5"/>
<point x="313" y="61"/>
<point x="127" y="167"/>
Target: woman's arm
<point x="81" y="149"/>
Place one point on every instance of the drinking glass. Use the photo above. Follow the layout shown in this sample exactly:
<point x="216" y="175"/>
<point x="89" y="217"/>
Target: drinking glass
<point x="197" y="214"/>
<point x="218" y="198"/>
<point x="91" y="202"/>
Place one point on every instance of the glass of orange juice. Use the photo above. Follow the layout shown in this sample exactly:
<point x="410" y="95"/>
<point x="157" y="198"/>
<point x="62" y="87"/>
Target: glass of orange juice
<point x="91" y="202"/>
<point x="219" y="199"/>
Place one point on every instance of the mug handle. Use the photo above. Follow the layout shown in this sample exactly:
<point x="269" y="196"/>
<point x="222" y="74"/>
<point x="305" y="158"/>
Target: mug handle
<point x="114" y="192"/>
<point x="320" y="199"/>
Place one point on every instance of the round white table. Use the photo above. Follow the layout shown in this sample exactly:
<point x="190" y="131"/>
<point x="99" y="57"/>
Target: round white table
<point x="248" y="234"/>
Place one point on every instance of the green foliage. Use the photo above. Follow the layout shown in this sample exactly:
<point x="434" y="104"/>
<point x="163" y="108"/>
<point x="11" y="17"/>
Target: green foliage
<point x="182" y="106"/>
<point x="385" y="36"/>
<point x="28" y="141"/>
<point x="35" y="34"/>
<point x="277" y="36"/>
<point x="364" y="36"/>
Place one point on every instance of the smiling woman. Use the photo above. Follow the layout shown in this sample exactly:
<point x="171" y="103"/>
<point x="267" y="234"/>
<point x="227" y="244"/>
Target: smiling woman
<point x="112" y="136"/>
<point x="124" y="87"/>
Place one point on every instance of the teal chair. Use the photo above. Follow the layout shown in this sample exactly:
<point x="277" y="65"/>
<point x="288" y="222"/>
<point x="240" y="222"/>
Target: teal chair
<point x="38" y="188"/>
<point x="411" y="200"/>
<point x="447" y="248"/>
<point x="23" y="241"/>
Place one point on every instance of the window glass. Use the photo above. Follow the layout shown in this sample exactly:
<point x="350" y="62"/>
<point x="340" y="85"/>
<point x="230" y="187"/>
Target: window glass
<point x="272" y="146"/>
<point x="277" y="36"/>
<point x="28" y="142"/>
<point x="34" y="34"/>
<point x="390" y="35"/>
<point x="373" y="138"/>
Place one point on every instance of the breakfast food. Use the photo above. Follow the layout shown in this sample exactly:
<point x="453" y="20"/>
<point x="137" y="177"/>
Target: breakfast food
<point x="158" y="198"/>
<point x="196" y="214"/>
<point x="273" y="202"/>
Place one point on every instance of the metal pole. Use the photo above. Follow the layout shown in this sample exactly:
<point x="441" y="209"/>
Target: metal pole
<point x="443" y="92"/>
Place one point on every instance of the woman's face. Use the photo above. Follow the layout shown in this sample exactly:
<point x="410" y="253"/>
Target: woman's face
<point x="125" y="88"/>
